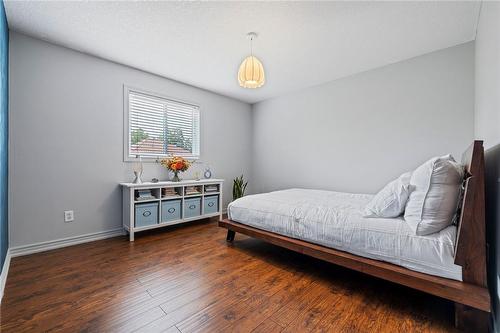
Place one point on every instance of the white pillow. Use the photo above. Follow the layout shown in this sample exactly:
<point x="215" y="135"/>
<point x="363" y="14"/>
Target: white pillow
<point x="434" y="199"/>
<point x="391" y="200"/>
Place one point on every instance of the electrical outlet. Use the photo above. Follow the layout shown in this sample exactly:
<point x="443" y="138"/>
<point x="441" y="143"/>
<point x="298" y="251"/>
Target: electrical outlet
<point x="69" y="216"/>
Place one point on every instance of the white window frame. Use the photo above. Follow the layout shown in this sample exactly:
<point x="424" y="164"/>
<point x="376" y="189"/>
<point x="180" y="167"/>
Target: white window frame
<point x="126" y="128"/>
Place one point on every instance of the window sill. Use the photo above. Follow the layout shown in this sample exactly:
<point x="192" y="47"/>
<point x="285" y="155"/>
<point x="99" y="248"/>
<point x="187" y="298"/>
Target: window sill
<point x="146" y="159"/>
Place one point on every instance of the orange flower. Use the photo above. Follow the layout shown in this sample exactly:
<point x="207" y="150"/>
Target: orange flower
<point x="176" y="163"/>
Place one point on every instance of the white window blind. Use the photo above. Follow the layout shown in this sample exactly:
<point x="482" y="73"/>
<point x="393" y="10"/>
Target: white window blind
<point x="160" y="127"/>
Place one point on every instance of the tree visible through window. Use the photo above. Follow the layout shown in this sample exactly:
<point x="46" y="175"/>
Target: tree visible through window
<point x="160" y="127"/>
<point x="138" y="135"/>
<point x="176" y="137"/>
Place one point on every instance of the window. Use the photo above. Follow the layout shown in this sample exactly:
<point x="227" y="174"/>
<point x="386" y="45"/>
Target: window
<point x="161" y="127"/>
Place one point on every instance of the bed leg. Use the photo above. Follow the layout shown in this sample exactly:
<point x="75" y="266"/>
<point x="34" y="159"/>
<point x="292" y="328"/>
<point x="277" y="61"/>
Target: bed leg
<point x="230" y="236"/>
<point x="469" y="319"/>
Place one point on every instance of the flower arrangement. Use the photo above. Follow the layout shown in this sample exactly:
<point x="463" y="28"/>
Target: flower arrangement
<point x="176" y="164"/>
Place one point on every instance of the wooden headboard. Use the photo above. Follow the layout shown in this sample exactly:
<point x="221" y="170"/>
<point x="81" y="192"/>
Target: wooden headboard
<point x="470" y="247"/>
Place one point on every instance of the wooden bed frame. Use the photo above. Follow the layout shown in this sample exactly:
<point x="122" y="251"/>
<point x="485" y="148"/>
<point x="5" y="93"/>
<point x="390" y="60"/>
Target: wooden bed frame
<point x="471" y="297"/>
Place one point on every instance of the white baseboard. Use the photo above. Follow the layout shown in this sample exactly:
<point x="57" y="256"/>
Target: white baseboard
<point x="63" y="242"/>
<point x="5" y="272"/>
<point x="23" y="250"/>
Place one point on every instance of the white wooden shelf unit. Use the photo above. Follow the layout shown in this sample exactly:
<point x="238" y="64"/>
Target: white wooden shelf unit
<point x="131" y="202"/>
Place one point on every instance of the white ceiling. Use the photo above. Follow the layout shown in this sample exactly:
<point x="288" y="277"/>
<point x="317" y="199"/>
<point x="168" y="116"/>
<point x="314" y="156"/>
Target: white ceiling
<point x="301" y="44"/>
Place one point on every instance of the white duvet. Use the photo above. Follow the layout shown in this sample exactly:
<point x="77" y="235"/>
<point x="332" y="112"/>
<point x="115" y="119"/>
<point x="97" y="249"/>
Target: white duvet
<point x="335" y="220"/>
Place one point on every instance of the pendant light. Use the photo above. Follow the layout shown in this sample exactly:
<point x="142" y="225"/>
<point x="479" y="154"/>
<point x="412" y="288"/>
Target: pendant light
<point x="251" y="72"/>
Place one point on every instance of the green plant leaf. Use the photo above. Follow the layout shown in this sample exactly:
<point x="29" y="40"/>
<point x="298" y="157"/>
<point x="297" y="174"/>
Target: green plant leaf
<point x="239" y="187"/>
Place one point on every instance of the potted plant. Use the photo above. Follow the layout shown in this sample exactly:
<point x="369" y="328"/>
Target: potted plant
<point x="239" y="187"/>
<point x="176" y="164"/>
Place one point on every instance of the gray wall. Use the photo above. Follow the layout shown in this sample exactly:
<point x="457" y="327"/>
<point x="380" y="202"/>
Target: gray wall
<point x="357" y="133"/>
<point x="487" y="128"/>
<point x="487" y="99"/>
<point x="4" y="136"/>
<point x="353" y="134"/>
<point x="66" y="139"/>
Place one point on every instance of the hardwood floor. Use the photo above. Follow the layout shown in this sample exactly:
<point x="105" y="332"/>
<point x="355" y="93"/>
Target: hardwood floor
<point x="186" y="279"/>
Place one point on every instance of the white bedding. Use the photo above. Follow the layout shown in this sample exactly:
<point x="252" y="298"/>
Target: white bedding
<point x="335" y="220"/>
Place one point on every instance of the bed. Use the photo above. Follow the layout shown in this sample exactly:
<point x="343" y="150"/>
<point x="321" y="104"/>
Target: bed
<point x="330" y="226"/>
<point x="335" y="220"/>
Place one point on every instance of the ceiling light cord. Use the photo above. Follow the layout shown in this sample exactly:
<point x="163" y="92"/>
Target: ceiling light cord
<point x="251" y="46"/>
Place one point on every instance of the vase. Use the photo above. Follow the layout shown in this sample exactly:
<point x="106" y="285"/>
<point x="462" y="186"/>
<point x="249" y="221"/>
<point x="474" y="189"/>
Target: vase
<point x="138" y="179"/>
<point x="176" y="178"/>
<point x="138" y="170"/>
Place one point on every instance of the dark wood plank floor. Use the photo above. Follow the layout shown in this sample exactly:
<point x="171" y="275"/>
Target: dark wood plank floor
<point x="186" y="279"/>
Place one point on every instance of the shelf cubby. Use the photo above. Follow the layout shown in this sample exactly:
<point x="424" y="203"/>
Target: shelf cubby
<point x="193" y="190"/>
<point x="172" y="192"/>
<point x="146" y="194"/>
<point x="211" y="188"/>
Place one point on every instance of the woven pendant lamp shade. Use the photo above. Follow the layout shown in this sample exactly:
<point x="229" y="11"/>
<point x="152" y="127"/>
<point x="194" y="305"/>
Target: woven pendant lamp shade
<point x="251" y="73"/>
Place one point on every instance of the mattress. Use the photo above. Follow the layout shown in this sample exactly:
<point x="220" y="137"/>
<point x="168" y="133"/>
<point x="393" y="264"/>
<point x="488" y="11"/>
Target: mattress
<point x="335" y="220"/>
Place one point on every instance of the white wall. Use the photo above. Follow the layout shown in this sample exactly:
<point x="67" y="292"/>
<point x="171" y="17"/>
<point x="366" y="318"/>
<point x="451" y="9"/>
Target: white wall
<point x="487" y="108"/>
<point x="66" y="139"/>
<point x="357" y="133"/>
<point x="487" y="128"/>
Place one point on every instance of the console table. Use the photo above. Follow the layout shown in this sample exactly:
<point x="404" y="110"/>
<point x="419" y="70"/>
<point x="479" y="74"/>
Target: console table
<point x="155" y="205"/>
